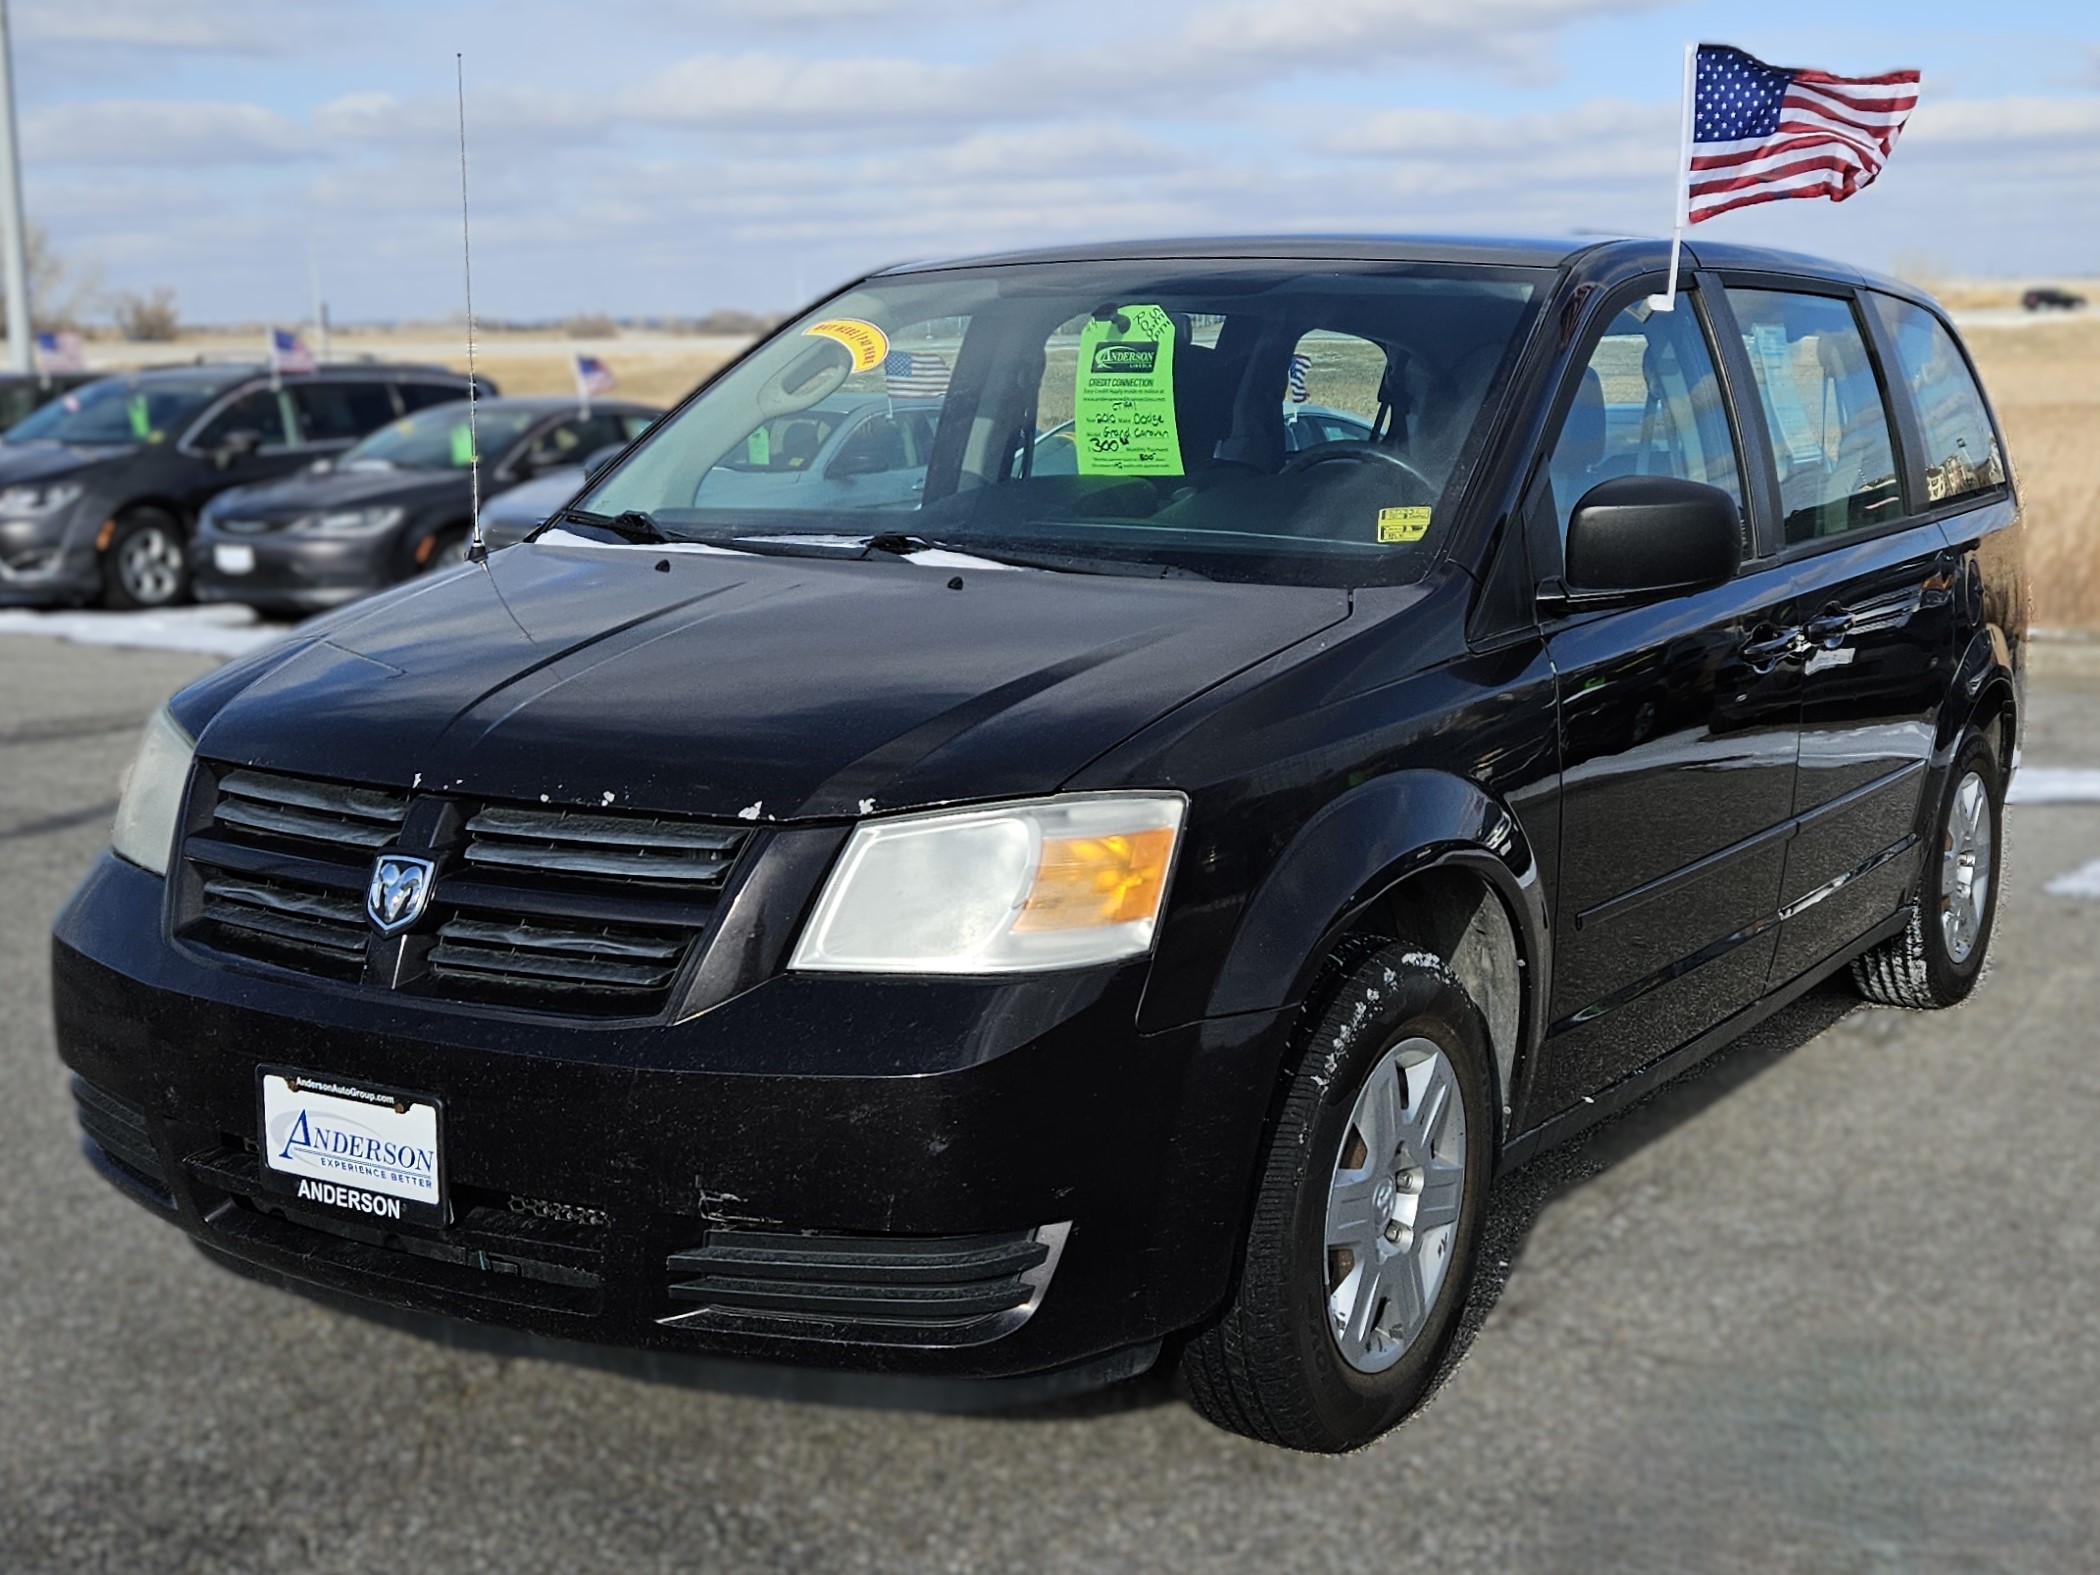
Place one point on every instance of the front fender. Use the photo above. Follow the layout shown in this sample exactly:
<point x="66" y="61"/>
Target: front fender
<point x="1354" y="851"/>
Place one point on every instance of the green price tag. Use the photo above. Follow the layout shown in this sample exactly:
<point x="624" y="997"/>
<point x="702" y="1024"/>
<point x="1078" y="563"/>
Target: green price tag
<point x="141" y="418"/>
<point x="758" y="450"/>
<point x="1123" y="404"/>
<point x="462" y="447"/>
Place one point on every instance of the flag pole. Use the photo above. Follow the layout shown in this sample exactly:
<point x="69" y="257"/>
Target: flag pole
<point x="1667" y="301"/>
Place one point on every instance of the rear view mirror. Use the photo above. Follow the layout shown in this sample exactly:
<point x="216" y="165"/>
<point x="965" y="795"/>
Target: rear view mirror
<point x="1637" y="538"/>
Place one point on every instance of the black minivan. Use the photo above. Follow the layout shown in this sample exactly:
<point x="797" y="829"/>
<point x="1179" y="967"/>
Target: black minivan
<point x="100" y="488"/>
<point x="1050" y="922"/>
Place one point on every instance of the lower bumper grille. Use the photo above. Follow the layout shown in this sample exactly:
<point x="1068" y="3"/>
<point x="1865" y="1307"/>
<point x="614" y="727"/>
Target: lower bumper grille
<point x="119" y="1131"/>
<point x="878" y="1290"/>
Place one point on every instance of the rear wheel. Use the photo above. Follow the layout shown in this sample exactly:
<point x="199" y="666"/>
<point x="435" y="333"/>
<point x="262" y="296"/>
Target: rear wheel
<point x="1365" y="1226"/>
<point x="146" y="564"/>
<point x="1939" y="956"/>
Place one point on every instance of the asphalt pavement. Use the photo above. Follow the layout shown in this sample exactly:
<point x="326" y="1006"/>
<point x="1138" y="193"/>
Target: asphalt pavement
<point x="1829" y="1304"/>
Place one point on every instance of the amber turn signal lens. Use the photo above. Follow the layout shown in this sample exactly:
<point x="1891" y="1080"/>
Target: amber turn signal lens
<point x="1087" y="881"/>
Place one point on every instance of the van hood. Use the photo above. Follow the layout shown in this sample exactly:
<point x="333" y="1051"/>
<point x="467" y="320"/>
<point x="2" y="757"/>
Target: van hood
<point x="38" y="461"/>
<point x="338" y="486"/>
<point x="729" y="685"/>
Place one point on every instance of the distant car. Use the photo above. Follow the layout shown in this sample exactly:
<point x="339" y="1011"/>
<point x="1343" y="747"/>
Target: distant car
<point x="399" y="503"/>
<point x="1304" y="427"/>
<point x="516" y="512"/>
<point x="2049" y="298"/>
<point x="99" y="489"/>
<point x="23" y="393"/>
<point x="848" y="452"/>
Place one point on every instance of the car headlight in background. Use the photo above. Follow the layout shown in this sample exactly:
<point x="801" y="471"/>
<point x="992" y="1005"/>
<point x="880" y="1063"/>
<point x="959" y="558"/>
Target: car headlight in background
<point x="38" y="498"/>
<point x="1049" y="883"/>
<point x="349" y="522"/>
<point x="151" y="801"/>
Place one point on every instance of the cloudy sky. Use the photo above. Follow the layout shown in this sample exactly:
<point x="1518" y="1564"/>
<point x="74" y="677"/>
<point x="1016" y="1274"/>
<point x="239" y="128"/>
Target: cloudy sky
<point x="674" y="156"/>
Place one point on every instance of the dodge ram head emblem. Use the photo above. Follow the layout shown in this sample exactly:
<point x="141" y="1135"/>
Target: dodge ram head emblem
<point x="399" y="893"/>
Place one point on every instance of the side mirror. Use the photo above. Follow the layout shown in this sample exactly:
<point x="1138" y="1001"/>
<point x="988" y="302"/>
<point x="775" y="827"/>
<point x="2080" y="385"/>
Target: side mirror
<point x="1640" y="538"/>
<point x="237" y="445"/>
<point x="850" y="464"/>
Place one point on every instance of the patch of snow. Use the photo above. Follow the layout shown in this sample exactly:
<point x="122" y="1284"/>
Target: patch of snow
<point x="2054" y="785"/>
<point x="222" y="629"/>
<point x="751" y="812"/>
<point x="2081" y="882"/>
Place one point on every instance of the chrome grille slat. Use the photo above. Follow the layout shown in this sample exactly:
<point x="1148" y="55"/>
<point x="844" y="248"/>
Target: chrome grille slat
<point x="568" y="825"/>
<point x="619" y="863"/>
<point x="281" y="806"/>
<point x="612" y="846"/>
<point x="535" y="936"/>
<point x="288" y="899"/>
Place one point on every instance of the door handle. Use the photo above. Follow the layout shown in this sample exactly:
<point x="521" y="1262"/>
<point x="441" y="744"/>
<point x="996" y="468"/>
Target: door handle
<point x="1768" y="651"/>
<point x="1828" y="629"/>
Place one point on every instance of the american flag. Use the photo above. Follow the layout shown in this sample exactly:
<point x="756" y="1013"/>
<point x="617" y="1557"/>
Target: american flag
<point x="1301" y="368"/>
<point x="288" y="352"/>
<point x="1760" y="133"/>
<point x="593" y="376"/>
<point x="912" y="375"/>
<point x="59" y="353"/>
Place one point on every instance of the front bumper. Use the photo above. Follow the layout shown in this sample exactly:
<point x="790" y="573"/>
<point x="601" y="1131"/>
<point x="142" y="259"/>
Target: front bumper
<point x="902" y="1110"/>
<point x="41" y="562"/>
<point x="293" y="573"/>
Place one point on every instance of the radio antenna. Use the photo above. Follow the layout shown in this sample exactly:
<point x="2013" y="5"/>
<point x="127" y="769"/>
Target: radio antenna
<point x="477" y="548"/>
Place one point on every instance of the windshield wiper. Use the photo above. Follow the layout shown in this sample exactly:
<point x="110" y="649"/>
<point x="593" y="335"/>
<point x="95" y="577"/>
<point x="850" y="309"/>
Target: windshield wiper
<point x="635" y="525"/>
<point x="903" y="544"/>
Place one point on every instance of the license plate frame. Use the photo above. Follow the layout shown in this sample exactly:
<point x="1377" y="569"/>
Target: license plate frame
<point x="366" y="1151"/>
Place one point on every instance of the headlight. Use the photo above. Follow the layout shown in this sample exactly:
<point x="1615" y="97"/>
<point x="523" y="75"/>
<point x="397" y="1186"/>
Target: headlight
<point x="1052" y="883"/>
<point x="31" y="498"/>
<point x="151" y="802"/>
<point x="350" y="522"/>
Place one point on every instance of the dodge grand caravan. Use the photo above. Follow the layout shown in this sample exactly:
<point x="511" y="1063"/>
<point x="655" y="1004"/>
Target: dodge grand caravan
<point x="1054" y="923"/>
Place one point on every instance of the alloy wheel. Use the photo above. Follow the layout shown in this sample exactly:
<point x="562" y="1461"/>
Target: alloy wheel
<point x="149" y="566"/>
<point x="1393" y="1205"/>
<point x="1965" y="868"/>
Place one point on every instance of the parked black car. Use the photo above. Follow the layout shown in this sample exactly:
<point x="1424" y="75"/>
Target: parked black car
<point x="2050" y="298"/>
<point x="22" y="393"/>
<point x="396" y="505"/>
<point x="99" y="490"/>
<point x="1058" y="919"/>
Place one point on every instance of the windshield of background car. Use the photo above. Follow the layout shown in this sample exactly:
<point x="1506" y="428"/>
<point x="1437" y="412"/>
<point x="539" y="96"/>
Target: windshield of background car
<point x="1288" y="422"/>
<point x="439" y="438"/>
<point x="119" y="410"/>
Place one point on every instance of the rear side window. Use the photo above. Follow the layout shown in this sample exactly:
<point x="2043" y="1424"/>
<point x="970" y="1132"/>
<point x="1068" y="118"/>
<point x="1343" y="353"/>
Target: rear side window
<point x="1961" y="449"/>
<point x="340" y="412"/>
<point x="420" y="396"/>
<point x="1649" y="404"/>
<point x="260" y="410"/>
<point x="1824" y="411"/>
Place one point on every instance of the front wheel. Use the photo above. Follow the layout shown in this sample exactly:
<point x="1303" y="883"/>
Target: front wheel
<point x="147" y="562"/>
<point x="1939" y="956"/>
<point x="1364" y="1231"/>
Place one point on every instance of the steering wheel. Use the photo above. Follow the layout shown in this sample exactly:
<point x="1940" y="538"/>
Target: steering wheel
<point x="1355" y="452"/>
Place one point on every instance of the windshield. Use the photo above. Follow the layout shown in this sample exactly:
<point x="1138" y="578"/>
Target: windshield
<point x="438" y="438"/>
<point x="119" y="410"/>
<point x="1306" y="422"/>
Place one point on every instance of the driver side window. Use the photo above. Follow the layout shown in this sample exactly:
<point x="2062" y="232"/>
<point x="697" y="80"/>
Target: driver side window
<point x="260" y="410"/>
<point x="1649" y="405"/>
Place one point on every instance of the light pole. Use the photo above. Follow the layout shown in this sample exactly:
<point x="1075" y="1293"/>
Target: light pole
<point x="21" y="337"/>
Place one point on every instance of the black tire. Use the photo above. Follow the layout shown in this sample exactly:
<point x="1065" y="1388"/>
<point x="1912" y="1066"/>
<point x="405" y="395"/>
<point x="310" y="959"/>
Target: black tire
<point x="1919" y="968"/>
<point x="1270" y="1366"/>
<point x="147" y="562"/>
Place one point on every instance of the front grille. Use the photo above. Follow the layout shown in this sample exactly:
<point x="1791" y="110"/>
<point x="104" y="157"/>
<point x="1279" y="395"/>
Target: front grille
<point x="302" y="811"/>
<point x="118" y="1129"/>
<point x="529" y="956"/>
<point x="582" y="912"/>
<point x="620" y="847"/>
<point x="245" y="527"/>
<point x="883" y="1290"/>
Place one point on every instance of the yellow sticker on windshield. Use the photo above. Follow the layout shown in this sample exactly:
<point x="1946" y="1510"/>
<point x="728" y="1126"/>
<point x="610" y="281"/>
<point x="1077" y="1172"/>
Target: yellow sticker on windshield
<point x="866" y="343"/>
<point x="1402" y="525"/>
<point x="1123" y="401"/>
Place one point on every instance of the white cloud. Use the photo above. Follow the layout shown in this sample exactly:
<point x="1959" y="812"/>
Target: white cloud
<point x="2073" y="122"/>
<point x="226" y="26"/>
<point x="160" y="131"/>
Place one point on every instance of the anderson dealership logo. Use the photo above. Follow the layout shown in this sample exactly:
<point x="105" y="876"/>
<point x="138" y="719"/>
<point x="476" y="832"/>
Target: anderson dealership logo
<point x="315" y="1143"/>
<point x="399" y="892"/>
<point x="1126" y="358"/>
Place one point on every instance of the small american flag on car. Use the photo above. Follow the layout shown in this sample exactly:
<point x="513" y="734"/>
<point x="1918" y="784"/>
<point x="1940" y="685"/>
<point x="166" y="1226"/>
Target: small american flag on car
<point x="288" y="352"/>
<point x="1301" y="369"/>
<point x="593" y="376"/>
<point x="59" y="353"/>
<point x="1761" y="133"/>
<point x="913" y="374"/>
